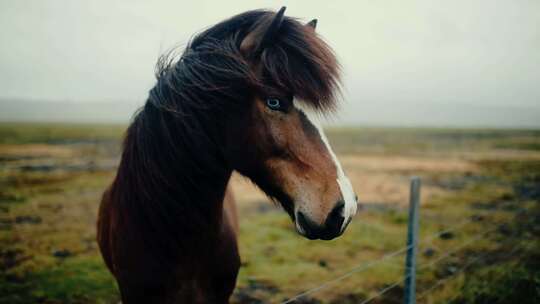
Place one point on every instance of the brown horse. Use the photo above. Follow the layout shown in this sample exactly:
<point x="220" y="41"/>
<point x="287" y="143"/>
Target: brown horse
<point x="236" y="99"/>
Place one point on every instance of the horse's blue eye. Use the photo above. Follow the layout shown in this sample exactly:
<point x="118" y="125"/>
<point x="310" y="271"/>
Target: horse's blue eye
<point x="273" y="103"/>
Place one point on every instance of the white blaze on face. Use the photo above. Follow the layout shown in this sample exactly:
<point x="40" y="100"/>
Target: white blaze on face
<point x="343" y="181"/>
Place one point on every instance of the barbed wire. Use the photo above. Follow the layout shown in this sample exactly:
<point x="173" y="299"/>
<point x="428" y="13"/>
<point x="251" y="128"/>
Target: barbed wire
<point x="454" y="275"/>
<point x="368" y="265"/>
<point x="441" y="281"/>
<point x="398" y="282"/>
<point x="455" y="249"/>
<point x="354" y="270"/>
<point x="385" y="290"/>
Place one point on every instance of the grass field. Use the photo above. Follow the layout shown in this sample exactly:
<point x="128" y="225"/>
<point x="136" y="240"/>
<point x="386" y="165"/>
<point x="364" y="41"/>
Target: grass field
<point x="52" y="176"/>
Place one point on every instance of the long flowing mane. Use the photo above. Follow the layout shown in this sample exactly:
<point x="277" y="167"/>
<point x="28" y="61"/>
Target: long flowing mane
<point x="172" y="147"/>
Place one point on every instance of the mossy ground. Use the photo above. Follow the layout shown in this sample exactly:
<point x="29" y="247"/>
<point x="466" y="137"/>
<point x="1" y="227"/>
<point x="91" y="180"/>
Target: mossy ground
<point x="52" y="176"/>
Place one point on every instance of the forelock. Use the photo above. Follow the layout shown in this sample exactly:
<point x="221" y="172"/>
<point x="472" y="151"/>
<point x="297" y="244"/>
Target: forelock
<point x="301" y="63"/>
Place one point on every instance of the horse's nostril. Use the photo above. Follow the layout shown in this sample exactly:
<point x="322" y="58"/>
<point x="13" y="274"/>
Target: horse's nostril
<point x="335" y="218"/>
<point x="331" y="228"/>
<point x="338" y="209"/>
<point x="306" y="224"/>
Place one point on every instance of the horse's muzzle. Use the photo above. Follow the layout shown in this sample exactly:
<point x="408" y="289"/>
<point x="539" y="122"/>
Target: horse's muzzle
<point x="330" y="229"/>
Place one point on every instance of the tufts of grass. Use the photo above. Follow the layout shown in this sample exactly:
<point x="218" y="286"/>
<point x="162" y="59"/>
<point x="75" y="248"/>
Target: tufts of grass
<point x="75" y="280"/>
<point x="508" y="278"/>
<point x="273" y="252"/>
<point x="26" y="133"/>
<point x="277" y="263"/>
<point x="431" y="140"/>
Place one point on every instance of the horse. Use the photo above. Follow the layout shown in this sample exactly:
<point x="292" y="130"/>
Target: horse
<point x="243" y="96"/>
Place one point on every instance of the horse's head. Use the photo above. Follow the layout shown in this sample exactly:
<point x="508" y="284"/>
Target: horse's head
<point x="278" y="143"/>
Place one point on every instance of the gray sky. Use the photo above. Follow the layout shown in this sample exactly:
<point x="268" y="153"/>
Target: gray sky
<point x="436" y="63"/>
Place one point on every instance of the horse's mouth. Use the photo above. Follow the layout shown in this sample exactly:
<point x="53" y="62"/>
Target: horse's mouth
<point x="328" y="231"/>
<point x="324" y="235"/>
<point x="331" y="229"/>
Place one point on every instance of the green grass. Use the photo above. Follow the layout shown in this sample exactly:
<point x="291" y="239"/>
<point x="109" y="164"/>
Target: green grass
<point x="271" y="250"/>
<point x="425" y="140"/>
<point x="399" y="140"/>
<point x="24" y="133"/>
<point x="277" y="263"/>
<point x="75" y="280"/>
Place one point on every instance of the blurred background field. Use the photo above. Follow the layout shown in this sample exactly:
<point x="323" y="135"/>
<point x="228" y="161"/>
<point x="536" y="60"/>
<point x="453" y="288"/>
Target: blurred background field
<point x="483" y="185"/>
<point x="71" y="69"/>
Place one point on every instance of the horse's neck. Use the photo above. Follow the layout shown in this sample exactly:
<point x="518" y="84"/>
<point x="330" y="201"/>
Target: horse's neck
<point x="164" y="182"/>
<point x="214" y="196"/>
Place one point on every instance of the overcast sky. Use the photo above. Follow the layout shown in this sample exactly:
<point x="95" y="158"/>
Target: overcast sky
<point x="437" y="63"/>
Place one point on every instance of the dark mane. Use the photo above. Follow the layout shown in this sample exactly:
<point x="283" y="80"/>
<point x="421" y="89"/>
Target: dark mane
<point x="171" y="149"/>
<point x="299" y="62"/>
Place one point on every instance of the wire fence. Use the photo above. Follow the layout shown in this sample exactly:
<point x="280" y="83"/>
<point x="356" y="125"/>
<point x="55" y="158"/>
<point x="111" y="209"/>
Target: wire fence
<point x="428" y="241"/>
<point x="366" y="266"/>
<point x="471" y="262"/>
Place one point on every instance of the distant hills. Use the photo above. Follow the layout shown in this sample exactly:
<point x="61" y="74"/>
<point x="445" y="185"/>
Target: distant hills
<point x="356" y="113"/>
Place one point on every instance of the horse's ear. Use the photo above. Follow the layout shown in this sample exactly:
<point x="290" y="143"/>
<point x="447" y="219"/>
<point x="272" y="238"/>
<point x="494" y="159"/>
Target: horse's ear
<point x="262" y="36"/>
<point x="312" y="24"/>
